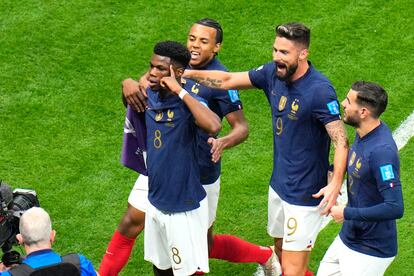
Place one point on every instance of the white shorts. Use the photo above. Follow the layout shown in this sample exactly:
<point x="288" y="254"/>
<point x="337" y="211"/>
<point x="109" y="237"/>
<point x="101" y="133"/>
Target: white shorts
<point x="297" y="225"/>
<point x="213" y="192"/>
<point x="138" y="197"/>
<point x="177" y="240"/>
<point x="340" y="260"/>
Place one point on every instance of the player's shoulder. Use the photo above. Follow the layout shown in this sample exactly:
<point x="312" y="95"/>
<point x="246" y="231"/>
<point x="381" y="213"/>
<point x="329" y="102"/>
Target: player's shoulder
<point x="215" y="64"/>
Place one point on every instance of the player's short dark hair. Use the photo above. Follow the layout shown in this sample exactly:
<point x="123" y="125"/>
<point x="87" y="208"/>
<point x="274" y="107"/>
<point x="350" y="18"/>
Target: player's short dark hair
<point x="294" y="31"/>
<point x="176" y="51"/>
<point x="372" y="96"/>
<point x="212" y="24"/>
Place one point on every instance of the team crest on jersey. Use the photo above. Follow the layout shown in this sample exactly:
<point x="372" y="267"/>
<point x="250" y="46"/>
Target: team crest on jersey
<point x="159" y="116"/>
<point x="386" y="172"/>
<point x="282" y="103"/>
<point x="358" y="164"/>
<point x="170" y="115"/>
<point x="352" y="159"/>
<point x="294" y="108"/>
<point x="195" y="88"/>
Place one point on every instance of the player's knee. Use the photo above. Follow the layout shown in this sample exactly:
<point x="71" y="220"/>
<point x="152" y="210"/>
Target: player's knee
<point x="290" y="269"/>
<point x="132" y="223"/>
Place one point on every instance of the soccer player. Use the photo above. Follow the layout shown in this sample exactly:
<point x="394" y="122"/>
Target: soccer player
<point x="367" y="242"/>
<point x="176" y="217"/>
<point x="305" y="117"/>
<point x="204" y="42"/>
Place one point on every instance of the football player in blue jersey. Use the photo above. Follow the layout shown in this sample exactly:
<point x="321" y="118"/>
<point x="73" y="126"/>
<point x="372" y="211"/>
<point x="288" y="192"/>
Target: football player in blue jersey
<point x="176" y="220"/>
<point x="367" y="242"/>
<point x="204" y="42"/>
<point x="305" y="118"/>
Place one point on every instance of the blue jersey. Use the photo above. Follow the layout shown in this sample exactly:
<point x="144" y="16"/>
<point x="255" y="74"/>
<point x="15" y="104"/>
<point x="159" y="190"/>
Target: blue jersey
<point x="374" y="195"/>
<point x="173" y="171"/>
<point x="300" y="111"/>
<point x="220" y="102"/>
<point x="47" y="257"/>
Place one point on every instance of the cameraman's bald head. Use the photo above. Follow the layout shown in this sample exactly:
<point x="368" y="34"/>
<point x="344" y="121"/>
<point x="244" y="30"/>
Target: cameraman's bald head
<point x="36" y="228"/>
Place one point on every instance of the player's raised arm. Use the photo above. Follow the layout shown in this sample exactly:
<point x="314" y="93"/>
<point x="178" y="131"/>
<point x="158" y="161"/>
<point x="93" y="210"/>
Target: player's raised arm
<point x="220" y="79"/>
<point x="205" y="118"/>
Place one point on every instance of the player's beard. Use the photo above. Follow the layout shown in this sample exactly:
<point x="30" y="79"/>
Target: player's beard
<point x="290" y="70"/>
<point x="351" y="121"/>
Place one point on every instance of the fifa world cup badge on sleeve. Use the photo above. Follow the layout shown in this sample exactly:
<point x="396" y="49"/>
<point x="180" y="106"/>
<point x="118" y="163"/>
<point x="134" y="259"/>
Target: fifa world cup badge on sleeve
<point x="386" y="172"/>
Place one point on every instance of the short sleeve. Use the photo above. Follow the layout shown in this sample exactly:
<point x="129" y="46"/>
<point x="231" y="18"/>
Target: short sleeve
<point x="259" y="77"/>
<point x="325" y="104"/>
<point x="228" y="101"/>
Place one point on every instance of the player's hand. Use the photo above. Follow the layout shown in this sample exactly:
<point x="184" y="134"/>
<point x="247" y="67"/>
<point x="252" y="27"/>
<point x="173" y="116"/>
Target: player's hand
<point x="330" y="193"/>
<point x="3" y="267"/>
<point x="337" y="212"/>
<point x="217" y="148"/>
<point x="135" y="94"/>
<point x="170" y="83"/>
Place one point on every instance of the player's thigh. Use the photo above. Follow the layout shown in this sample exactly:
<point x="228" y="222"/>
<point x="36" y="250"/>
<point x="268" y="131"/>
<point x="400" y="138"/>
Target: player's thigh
<point x="138" y="197"/>
<point x="155" y="241"/>
<point x="329" y="264"/>
<point x="213" y="193"/>
<point x="187" y="243"/>
<point x="301" y="227"/>
<point x="275" y="215"/>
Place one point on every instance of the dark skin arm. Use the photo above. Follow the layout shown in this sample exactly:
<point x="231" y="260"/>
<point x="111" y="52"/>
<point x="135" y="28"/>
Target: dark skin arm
<point x="134" y="92"/>
<point x="238" y="134"/>
<point x="204" y="117"/>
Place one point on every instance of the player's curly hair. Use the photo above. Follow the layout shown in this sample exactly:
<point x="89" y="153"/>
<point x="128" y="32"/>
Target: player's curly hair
<point x="178" y="53"/>
<point x="208" y="22"/>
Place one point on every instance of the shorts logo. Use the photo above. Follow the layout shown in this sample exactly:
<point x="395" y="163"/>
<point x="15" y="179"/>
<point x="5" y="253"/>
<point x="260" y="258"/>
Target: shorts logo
<point x="333" y="107"/>
<point x="386" y="172"/>
<point x="234" y="95"/>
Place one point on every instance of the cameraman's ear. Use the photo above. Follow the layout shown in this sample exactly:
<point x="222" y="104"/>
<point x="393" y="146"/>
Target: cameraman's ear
<point x="52" y="236"/>
<point x="19" y="238"/>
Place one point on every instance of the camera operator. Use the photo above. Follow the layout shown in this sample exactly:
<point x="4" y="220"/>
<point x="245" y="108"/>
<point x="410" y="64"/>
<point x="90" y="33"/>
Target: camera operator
<point x="37" y="236"/>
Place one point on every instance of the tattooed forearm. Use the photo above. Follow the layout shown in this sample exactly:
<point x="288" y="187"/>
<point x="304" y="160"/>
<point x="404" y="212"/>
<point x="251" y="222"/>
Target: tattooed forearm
<point x="209" y="82"/>
<point x="337" y="132"/>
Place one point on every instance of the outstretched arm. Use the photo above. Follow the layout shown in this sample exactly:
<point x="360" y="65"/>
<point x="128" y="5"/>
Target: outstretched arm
<point x="238" y="133"/>
<point x="337" y="133"/>
<point x="204" y="117"/>
<point x="220" y="79"/>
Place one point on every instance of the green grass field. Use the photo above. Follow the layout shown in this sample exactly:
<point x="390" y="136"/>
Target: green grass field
<point x="61" y="117"/>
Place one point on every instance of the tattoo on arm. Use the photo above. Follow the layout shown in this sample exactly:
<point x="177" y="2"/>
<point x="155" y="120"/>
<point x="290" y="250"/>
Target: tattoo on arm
<point x="209" y="82"/>
<point x="336" y="130"/>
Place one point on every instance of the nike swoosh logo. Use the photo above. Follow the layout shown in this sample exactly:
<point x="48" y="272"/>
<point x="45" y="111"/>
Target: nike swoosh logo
<point x="109" y="253"/>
